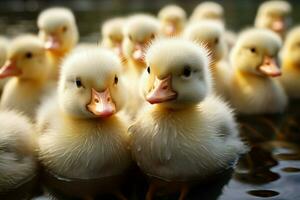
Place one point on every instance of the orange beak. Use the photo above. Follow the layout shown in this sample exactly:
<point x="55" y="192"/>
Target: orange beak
<point x="52" y="43"/>
<point x="9" y="69"/>
<point x="162" y="92"/>
<point x="138" y="53"/>
<point x="101" y="104"/>
<point x="278" y="25"/>
<point x="269" y="67"/>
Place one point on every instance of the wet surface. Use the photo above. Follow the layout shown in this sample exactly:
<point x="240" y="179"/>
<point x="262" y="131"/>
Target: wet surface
<point x="271" y="170"/>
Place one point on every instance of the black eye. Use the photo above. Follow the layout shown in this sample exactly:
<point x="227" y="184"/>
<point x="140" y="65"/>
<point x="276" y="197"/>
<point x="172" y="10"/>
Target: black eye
<point x="187" y="71"/>
<point x="253" y="50"/>
<point x="130" y="37"/>
<point x="78" y="82"/>
<point x="148" y="69"/>
<point x="116" y="80"/>
<point x="152" y="36"/>
<point x="64" y="28"/>
<point x="28" y="55"/>
<point x="216" y="40"/>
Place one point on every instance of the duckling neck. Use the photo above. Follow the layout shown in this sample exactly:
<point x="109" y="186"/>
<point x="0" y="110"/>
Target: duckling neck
<point x="290" y="65"/>
<point x="136" y="68"/>
<point x="250" y="76"/>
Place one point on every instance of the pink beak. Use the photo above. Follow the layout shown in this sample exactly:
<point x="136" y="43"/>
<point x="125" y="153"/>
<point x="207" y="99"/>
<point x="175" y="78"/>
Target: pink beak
<point x="170" y="30"/>
<point x="101" y="104"/>
<point x="162" y="92"/>
<point x="9" y="69"/>
<point x="269" y="67"/>
<point x="278" y="25"/>
<point x="138" y="53"/>
<point x="52" y="43"/>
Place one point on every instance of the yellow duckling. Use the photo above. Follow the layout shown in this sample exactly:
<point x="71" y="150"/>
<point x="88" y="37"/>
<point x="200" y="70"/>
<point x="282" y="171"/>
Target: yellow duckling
<point x="58" y="29"/>
<point x="290" y="56"/>
<point x="211" y="34"/>
<point x="28" y="64"/>
<point x="172" y="20"/>
<point x="17" y="145"/>
<point x="274" y="15"/>
<point x="86" y="137"/>
<point x="112" y="36"/>
<point x="184" y="133"/>
<point x="253" y="89"/>
<point x="208" y="10"/>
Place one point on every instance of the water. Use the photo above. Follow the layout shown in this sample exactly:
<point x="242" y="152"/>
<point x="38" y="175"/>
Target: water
<point x="271" y="170"/>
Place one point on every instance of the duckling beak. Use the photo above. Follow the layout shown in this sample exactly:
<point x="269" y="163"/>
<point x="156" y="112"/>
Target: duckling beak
<point x="278" y="25"/>
<point x="138" y="53"/>
<point x="9" y="69"/>
<point x="269" y="67"/>
<point x="101" y="103"/>
<point x="118" y="49"/>
<point x="170" y="29"/>
<point x="52" y="43"/>
<point x="162" y="91"/>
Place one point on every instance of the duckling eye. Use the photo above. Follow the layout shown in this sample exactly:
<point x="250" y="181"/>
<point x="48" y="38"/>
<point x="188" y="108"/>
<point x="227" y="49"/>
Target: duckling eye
<point x="78" y="83"/>
<point x="187" y="72"/>
<point x="152" y="36"/>
<point x="148" y="69"/>
<point x="28" y="55"/>
<point x="130" y="37"/>
<point x="216" y="40"/>
<point x="64" y="29"/>
<point x="116" y="80"/>
<point x="253" y="50"/>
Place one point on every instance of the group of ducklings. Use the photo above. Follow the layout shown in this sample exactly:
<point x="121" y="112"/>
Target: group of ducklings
<point x="156" y="92"/>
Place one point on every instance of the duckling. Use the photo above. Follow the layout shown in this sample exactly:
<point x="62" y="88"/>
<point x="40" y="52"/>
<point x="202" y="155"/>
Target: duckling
<point x="274" y="15"/>
<point x="17" y="145"/>
<point x="138" y="32"/>
<point x="172" y="20"/>
<point x="3" y="54"/>
<point x="112" y="36"/>
<point x="58" y="30"/>
<point x="28" y="65"/>
<point x="208" y="10"/>
<point x="290" y="56"/>
<point x="211" y="34"/>
<point x="184" y="133"/>
<point x="85" y="137"/>
<point x="253" y="89"/>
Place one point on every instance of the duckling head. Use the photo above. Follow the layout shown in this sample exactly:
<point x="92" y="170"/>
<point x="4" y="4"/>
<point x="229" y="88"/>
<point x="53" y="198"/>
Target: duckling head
<point x="112" y="36"/>
<point x="274" y="15"/>
<point x="58" y="29"/>
<point x="138" y="32"/>
<point x="208" y="10"/>
<point x="172" y="19"/>
<point x="210" y="34"/>
<point x="291" y="47"/>
<point x="26" y="59"/>
<point x="175" y="79"/>
<point x="256" y="52"/>
<point x="90" y="85"/>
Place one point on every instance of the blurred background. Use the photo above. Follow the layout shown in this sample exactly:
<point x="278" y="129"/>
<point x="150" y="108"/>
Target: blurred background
<point x="18" y="16"/>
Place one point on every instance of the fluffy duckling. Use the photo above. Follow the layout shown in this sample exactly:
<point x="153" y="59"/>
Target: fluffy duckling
<point x="17" y="161"/>
<point x="274" y="15"/>
<point x="172" y="20"/>
<point x="290" y="56"/>
<point x="253" y="89"/>
<point x="211" y="34"/>
<point x="86" y="137"/>
<point x="112" y="36"/>
<point x="58" y="30"/>
<point x="28" y="65"/>
<point x="208" y="10"/>
<point x="184" y="133"/>
<point x="3" y="55"/>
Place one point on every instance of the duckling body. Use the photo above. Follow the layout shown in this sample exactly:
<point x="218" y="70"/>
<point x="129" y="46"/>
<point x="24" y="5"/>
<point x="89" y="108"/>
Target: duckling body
<point x="29" y="64"/>
<point x="17" y="161"/>
<point x="291" y="64"/>
<point x="253" y="89"/>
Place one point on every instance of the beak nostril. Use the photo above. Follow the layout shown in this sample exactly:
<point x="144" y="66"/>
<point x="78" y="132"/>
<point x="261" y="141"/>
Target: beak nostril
<point x="165" y="87"/>
<point x="108" y="99"/>
<point x="97" y="100"/>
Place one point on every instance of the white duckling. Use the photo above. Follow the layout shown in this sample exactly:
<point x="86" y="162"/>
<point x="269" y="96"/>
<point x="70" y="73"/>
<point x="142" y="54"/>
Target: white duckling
<point x="28" y="65"/>
<point x="208" y="10"/>
<point x="86" y="138"/>
<point x="211" y="34"/>
<point x="185" y="133"/>
<point x="17" y="146"/>
<point x="58" y="29"/>
<point x="172" y="20"/>
<point x="274" y="15"/>
<point x="290" y="63"/>
<point x="253" y="89"/>
<point x="112" y="36"/>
